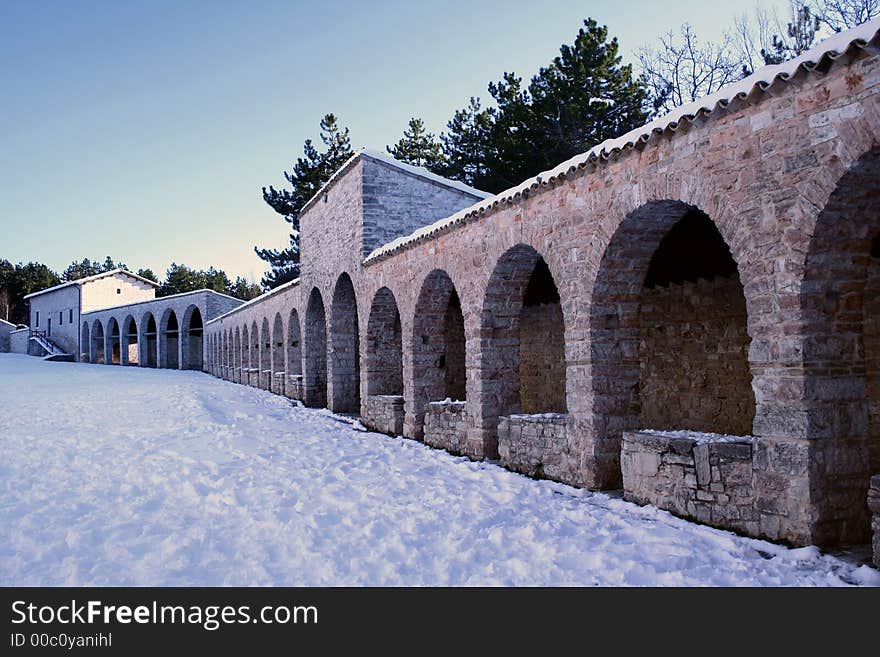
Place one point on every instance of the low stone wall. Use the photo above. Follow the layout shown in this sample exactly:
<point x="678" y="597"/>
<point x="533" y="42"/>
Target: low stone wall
<point x="18" y="341"/>
<point x="383" y="413"/>
<point x="293" y="386"/>
<point x="534" y="445"/>
<point x="278" y="381"/>
<point x="266" y="379"/>
<point x="446" y="426"/>
<point x="702" y="477"/>
<point x="874" y="507"/>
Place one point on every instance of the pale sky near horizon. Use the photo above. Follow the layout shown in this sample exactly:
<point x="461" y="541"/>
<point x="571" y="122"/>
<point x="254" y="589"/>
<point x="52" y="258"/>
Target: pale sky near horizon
<point x="146" y="130"/>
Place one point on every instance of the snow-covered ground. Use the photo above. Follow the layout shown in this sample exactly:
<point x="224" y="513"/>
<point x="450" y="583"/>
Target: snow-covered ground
<point x="124" y="476"/>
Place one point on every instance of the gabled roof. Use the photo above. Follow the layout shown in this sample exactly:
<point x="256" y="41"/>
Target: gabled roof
<point x="376" y="156"/>
<point x="863" y="37"/>
<point x="89" y="279"/>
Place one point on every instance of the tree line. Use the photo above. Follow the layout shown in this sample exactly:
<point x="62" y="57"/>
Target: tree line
<point x="583" y="96"/>
<point x="17" y="281"/>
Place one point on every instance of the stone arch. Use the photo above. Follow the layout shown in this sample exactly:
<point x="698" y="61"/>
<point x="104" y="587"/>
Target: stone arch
<point x="344" y="356"/>
<point x="129" y="347"/>
<point x="384" y="346"/>
<point x="97" y="345"/>
<point x="265" y="354"/>
<point x="192" y="339"/>
<point x="278" y="366"/>
<point x="236" y="354"/>
<point x="668" y="331"/>
<point x="169" y="341"/>
<point x="522" y="334"/>
<point x="840" y="306"/>
<point x="245" y="349"/>
<point x="113" y="355"/>
<point x="225" y="361"/>
<point x="294" y="345"/>
<point x="438" y="347"/>
<point x="150" y="341"/>
<point x="85" y="344"/>
<point x="315" y="351"/>
<point x="254" y="354"/>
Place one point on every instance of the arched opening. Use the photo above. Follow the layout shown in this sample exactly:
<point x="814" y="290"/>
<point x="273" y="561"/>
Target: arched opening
<point x="151" y="341"/>
<point x="113" y="355"/>
<point x="384" y="346"/>
<point x="192" y="347"/>
<point x="294" y="345"/>
<point x="225" y="360"/>
<point x="236" y="355"/>
<point x="254" y="355"/>
<point x="345" y="396"/>
<point x="315" y="392"/>
<point x="522" y="341"/>
<point x="169" y="344"/>
<point x="668" y="331"/>
<point x="97" y="346"/>
<point x="129" y="348"/>
<point x="840" y="302"/>
<point x="278" y="367"/>
<point x="85" y="344"/>
<point x="438" y="347"/>
<point x="245" y="353"/>
<point x="265" y="355"/>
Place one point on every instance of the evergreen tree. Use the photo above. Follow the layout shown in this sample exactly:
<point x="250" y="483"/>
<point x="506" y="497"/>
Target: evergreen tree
<point x="18" y="281"/>
<point x="418" y="147"/>
<point x="582" y="98"/>
<point x="309" y="173"/>
<point x="179" y="279"/>
<point x="86" y="267"/>
<point x="467" y="145"/>
<point x="243" y="289"/>
<point x="148" y="274"/>
<point x="801" y="32"/>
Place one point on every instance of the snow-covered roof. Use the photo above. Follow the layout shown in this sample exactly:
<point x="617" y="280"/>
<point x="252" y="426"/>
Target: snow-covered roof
<point x="94" y="277"/>
<point x="861" y="37"/>
<point x="419" y="172"/>
<point x="3" y="322"/>
<point x="255" y="300"/>
<point x="160" y="299"/>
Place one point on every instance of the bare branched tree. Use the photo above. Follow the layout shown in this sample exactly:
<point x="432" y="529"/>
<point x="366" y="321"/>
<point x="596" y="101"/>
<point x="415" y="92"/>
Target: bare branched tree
<point x="839" y="15"/>
<point x="682" y="69"/>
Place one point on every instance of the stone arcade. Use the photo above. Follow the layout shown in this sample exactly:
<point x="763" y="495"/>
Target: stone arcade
<point x="714" y="272"/>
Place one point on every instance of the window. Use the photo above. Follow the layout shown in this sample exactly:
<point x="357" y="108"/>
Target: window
<point x="70" y="316"/>
<point x="60" y="318"/>
<point x="37" y="321"/>
<point x="118" y="291"/>
<point x="49" y="327"/>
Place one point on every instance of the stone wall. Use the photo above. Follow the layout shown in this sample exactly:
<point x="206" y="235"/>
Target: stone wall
<point x="693" y="351"/>
<point x="696" y="477"/>
<point x="18" y="341"/>
<point x="542" y="359"/>
<point x="5" y="329"/>
<point x="535" y="445"/>
<point x="383" y="413"/>
<point x="874" y="508"/>
<point x="446" y="426"/>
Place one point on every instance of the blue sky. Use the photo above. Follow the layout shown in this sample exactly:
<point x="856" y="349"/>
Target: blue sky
<point x="146" y="130"/>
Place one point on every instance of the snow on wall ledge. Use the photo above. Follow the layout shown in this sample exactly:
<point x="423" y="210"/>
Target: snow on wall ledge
<point x="863" y="37"/>
<point x="700" y="476"/>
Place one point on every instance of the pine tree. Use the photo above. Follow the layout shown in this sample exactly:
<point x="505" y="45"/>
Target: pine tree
<point x="309" y="173"/>
<point x="801" y="32"/>
<point x="584" y="97"/>
<point x="418" y="147"/>
<point x="148" y="274"/>
<point x="467" y="145"/>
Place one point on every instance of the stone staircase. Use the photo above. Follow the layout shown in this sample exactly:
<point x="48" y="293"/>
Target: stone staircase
<point x="51" y="351"/>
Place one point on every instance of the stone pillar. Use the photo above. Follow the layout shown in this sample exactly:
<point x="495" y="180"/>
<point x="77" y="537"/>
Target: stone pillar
<point x="874" y="508"/>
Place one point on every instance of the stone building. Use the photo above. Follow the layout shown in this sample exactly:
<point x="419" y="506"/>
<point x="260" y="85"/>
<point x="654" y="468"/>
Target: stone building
<point x="689" y="311"/>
